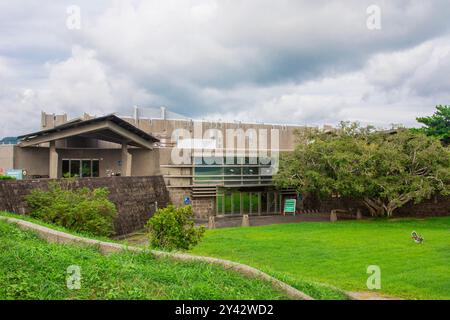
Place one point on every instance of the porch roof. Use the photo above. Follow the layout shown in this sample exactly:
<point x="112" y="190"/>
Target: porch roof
<point x="108" y="128"/>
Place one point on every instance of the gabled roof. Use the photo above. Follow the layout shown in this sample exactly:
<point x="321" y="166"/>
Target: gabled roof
<point x="108" y="128"/>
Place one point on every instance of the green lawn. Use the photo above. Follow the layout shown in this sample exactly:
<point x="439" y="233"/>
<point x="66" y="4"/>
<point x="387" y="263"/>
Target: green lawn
<point x="339" y="253"/>
<point x="31" y="268"/>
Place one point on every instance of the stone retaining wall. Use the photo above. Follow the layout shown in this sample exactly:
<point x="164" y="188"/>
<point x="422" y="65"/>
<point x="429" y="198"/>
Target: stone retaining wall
<point x="203" y="207"/>
<point x="136" y="198"/>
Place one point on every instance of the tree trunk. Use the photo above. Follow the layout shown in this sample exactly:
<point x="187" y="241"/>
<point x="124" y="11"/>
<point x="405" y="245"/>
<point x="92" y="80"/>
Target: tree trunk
<point x="395" y="204"/>
<point x="376" y="207"/>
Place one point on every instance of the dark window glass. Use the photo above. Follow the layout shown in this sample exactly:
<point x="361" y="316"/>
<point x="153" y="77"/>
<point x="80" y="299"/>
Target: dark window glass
<point x="251" y="160"/>
<point x="245" y="202"/>
<point x="228" y="203"/>
<point x="230" y="171"/>
<point x="95" y="168"/>
<point x="75" y="168"/>
<point x="251" y="171"/>
<point x="219" y="199"/>
<point x="254" y="203"/>
<point x="207" y="171"/>
<point x="65" y="168"/>
<point x="236" y="203"/>
<point x="264" y="202"/>
<point x="271" y="197"/>
<point x="86" y="168"/>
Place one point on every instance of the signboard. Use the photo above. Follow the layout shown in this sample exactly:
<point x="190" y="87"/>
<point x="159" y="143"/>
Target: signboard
<point x="187" y="201"/>
<point x="18" y="174"/>
<point x="289" y="206"/>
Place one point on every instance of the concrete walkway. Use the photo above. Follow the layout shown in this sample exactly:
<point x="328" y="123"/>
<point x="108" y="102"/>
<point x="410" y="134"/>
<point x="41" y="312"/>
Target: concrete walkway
<point x="236" y="221"/>
<point x="369" y="296"/>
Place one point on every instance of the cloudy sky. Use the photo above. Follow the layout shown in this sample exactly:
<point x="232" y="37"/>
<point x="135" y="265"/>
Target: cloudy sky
<point x="306" y="62"/>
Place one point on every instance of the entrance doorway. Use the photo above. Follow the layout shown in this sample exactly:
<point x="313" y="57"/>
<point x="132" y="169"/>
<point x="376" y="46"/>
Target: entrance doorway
<point x="254" y="202"/>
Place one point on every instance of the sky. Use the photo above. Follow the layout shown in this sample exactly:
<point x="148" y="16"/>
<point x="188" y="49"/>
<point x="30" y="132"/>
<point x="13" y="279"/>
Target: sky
<point x="301" y="62"/>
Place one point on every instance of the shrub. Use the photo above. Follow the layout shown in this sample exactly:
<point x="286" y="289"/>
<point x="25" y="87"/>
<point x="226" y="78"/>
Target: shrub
<point x="173" y="228"/>
<point x="2" y="177"/>
<point x="80" y="210"/>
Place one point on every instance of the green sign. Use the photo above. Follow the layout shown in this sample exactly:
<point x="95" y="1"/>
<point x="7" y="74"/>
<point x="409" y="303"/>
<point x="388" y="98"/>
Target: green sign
<point x="289" y="205"/>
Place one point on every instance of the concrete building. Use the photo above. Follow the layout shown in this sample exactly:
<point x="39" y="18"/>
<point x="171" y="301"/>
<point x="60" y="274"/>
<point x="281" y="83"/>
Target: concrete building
<point x="142" y="145"/>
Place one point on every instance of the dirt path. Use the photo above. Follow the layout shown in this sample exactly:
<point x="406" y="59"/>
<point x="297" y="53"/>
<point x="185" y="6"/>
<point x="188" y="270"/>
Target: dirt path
<point x="370" y="296"/>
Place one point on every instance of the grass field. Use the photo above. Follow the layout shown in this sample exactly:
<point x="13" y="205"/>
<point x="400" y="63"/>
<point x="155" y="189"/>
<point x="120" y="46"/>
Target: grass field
<point x="31" y="268"/>
<point x="339" y="254"/>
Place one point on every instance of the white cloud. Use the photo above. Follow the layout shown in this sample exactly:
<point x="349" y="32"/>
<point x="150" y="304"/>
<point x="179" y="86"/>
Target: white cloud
<point x="285" y="61"/>
<point x="392" y="88"/>
<point x="83" y="81"/>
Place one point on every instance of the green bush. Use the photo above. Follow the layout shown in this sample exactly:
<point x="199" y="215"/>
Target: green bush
<point x="173" y="228"/>
<point x="80" y="210"/>
<point x="2" y="177"/>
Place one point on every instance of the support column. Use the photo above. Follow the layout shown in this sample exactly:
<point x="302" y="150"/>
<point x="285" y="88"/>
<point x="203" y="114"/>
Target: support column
<point x="126" y="161"/>
<point x="53" y="163"/>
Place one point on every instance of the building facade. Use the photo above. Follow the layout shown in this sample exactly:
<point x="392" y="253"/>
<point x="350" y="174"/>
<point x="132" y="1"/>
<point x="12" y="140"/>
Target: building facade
<point x="221" y="168"/>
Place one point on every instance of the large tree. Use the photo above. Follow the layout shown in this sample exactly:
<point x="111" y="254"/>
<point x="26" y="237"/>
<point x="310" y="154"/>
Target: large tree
<point x="437" y="125"/>
<point x="384" y="170"/>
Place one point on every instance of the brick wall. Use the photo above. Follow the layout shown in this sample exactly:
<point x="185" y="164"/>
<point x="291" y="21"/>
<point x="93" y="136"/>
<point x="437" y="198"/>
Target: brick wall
<point x="135" y="197"/>
<point x="177" y="195"/>
<point x="202" y="207"/>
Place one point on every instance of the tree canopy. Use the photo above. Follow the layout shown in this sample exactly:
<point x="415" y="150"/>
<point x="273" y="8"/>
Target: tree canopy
<point x="437" y="125"/>
<point x="384" y="170"/>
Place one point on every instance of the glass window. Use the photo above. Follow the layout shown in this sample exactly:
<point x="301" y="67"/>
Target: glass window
<point x="250" y="171"/>
<point x="251" y="160"/>
<point x="95" y="168"/>
<point x="236" y="202"/>
<point x="219" y="199"/>
<point x="212" y="161"/>
<point x="264" y="202"/>
<point x="230" y="171"/>
<point x="266" y="171"/>
<point x="65" y="168"/>
<point x="253" y="202"/>
<point x="208" y="171"/>
<point x="86" y="169"/>
<point x="265" y="160"/>
<point x="271" y="203"/>
<point x="245" y="202"/>
<point x="75" y="167"/>
<point x="228" y="203"/>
